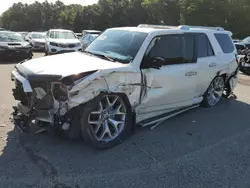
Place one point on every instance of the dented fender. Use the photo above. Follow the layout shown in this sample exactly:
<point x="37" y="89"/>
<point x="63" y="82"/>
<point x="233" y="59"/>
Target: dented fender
<point x="127" y="81"/>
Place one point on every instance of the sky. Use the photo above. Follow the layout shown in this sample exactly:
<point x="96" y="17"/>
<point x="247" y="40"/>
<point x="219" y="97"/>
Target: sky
<point x="5" y="4"/>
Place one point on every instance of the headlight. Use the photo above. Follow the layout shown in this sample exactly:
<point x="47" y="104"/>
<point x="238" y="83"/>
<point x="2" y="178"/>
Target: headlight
<point x="75" y="78"/>
<point x="53" y="44"/>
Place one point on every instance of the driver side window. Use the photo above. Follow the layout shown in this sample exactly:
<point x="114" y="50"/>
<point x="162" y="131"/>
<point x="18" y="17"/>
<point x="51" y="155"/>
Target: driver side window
<point x="173" y="49"/>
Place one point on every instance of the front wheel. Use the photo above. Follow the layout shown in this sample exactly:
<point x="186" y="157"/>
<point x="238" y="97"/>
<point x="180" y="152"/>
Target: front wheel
<point x="46" y="51"/>
<point x="214" y="92"/>
<point x="106" y="120"/>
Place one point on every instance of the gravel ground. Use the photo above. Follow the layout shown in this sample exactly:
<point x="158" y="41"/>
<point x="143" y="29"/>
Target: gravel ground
<point x="201" y="148"/>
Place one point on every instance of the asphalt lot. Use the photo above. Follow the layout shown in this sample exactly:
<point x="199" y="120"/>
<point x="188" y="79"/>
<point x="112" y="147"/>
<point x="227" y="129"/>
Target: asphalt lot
<point x="201" y="148"/>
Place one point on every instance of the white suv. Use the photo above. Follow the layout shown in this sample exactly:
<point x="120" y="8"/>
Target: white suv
<point x="129" y="75"/>
<point x="61" y="41"/>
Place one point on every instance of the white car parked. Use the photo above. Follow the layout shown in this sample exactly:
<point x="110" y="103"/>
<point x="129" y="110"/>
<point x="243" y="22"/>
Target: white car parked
<point x="61" y="41"/>
<point x="129" y="75"/>
<point x="37" y="39"/>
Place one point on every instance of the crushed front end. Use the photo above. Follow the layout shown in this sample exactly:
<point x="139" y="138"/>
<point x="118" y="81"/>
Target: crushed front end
<point x="42" y="98"/>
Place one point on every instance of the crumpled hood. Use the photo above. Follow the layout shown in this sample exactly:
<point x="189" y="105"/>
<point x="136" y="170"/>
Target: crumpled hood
<point x="39" y="40"/>
<point x="20" y="44"/>
<point x="68" y="64"/>
<point x="64" y="41"/>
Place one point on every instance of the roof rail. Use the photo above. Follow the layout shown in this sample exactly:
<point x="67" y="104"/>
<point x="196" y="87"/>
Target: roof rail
<point x="158" y="26"/>
<point x="183" y="27"/>
<point x="187" y="27"/>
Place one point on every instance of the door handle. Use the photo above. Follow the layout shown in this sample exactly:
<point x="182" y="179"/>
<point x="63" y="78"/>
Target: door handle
<point x="191" y="73"/>
<point x="212" y="64"/>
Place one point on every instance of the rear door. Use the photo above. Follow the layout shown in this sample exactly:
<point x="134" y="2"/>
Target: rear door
<point x="208" y="63"/>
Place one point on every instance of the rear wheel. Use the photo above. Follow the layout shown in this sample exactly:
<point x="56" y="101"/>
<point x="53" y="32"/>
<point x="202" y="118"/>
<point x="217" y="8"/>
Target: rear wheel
<point x="106" y="120"/>
<point x="214" y="92"/>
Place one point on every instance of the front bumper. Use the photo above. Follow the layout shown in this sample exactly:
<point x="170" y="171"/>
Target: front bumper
<point x="15" y="76"/>
<point x="59" y="50"/>
<point x="15" y="54"/>
<point x="24" y="93"/>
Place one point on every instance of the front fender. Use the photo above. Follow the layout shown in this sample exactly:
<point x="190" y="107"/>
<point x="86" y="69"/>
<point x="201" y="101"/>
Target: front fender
<point x="128" y="83"/>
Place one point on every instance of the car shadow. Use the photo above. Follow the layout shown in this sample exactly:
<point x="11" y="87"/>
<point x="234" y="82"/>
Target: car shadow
<point x="30" y="160"/>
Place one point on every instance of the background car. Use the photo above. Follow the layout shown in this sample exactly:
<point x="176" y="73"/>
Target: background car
<point x="37" y="39"/>
<point x="236" y="40"/>
<point x="85" y="32"/>
<point x="79" y="35"/>
<point x="87" y="39"/>
<point x="23" y="33"/>
<point x="2" y="29"/>
<point x="61" y="41"/>
<point x="14" y="47"/>
<point x="240" y="47"/>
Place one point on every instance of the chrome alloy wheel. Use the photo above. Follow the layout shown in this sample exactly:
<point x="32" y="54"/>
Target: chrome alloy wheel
<point x="215" y="91"/>
<point x="108" y="119"/>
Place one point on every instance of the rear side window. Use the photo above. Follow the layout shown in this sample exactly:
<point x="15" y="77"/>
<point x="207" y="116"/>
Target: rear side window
<point x="203" y="46"/>
<point x="225" y="42"/>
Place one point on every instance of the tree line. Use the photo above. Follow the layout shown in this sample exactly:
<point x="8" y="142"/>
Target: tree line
<point x="230" y="14"/>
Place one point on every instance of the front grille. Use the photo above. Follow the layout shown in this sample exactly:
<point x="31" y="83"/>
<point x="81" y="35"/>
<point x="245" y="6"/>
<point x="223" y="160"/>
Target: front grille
<point x="71" y="45"/>
<point x="64" y="51"/>
<point x="64" y="45"/>
<point x="67" y="45"/>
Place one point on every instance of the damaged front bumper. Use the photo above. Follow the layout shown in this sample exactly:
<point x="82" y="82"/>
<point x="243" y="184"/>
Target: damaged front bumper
<point x="39" y="100"/>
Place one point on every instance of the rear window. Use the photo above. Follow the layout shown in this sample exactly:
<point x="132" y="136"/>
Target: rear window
<point x="225" y="42"/>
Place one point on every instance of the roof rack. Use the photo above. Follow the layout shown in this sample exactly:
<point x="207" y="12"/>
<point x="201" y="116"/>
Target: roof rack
<point x="183" y="27"/>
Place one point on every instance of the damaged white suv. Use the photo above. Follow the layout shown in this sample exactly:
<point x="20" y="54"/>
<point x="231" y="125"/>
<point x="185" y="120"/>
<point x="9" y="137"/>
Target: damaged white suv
<point x="127" y="76"/>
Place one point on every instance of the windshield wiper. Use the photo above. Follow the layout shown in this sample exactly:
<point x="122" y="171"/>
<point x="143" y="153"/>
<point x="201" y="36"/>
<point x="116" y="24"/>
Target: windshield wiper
<point x="101" y="55"/>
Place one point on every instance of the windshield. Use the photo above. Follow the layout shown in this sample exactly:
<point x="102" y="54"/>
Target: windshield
<point x="120" y="45"/>
<point x="10" y="37"/>
<point x="62" y="35"/>
<point x="37" y="35"/>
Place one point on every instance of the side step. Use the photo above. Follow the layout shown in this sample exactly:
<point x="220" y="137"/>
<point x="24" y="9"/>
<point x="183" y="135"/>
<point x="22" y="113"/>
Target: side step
<point x="164" y="117"/>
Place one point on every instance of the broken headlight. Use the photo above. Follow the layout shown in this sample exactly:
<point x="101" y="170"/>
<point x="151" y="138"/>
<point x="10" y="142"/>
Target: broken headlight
<point x="60" y="92"/>
<point x="75" y="78"/>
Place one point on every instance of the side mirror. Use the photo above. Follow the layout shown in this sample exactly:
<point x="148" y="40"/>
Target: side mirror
<point x="157" y="62"/>
<point x="154" y="62"/>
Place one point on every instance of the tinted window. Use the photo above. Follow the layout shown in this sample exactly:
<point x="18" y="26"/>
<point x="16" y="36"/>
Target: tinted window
<point x="173" y="48"/>
<point x="225" y="42"/>
<point x="203" y="46"/>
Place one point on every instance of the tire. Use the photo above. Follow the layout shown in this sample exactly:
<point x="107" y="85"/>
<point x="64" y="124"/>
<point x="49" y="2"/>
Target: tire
<point x="106" y="134"/>
<point x="216" y="88"/>
<point x="46" y="52"/>
<point x="30" y="55"/>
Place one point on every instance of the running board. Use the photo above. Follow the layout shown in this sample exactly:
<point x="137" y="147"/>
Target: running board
<point x="168" y="116"/>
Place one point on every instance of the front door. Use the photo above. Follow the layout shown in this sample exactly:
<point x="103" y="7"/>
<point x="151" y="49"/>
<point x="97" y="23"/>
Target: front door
<point x="170" y="72"/>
